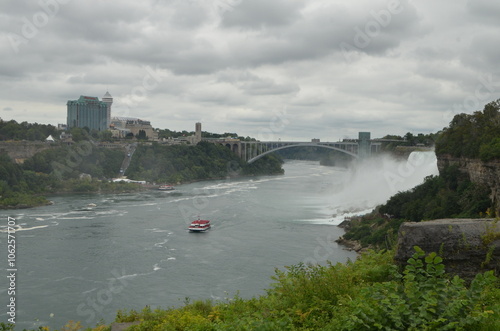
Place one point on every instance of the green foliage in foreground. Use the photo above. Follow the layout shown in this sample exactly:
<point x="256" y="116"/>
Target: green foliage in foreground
<point x="371" y="293"/>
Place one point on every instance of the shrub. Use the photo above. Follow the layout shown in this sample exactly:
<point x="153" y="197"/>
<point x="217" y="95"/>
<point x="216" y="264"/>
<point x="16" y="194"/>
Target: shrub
<point x="421" y="298"/>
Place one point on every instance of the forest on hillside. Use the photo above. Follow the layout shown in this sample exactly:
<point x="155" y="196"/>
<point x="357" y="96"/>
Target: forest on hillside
<point x="474" y="135"/>
<point x="86" y="167"/>
<point x="183" y="163"/>
<point x="11" y="130"/>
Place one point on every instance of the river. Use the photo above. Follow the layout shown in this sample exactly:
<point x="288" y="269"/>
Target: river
<point x="87" y="256"/>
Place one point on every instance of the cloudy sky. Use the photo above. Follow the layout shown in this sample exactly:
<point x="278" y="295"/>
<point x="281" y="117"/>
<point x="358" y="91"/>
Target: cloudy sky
<point x="270" y="69"/>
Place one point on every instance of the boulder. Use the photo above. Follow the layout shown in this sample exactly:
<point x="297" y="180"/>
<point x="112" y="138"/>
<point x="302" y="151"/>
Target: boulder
<point x="467" y="246"/>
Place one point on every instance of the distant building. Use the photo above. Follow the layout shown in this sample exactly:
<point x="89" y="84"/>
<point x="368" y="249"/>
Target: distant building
<point x="89" y="112"/>
<point x="196" y="138"/>
<point x="66" y="138"/>
<point x="134" y="125"/>
<point x="61" y="126"/>
<point x="118" y="132"/>
<point x="108" y="100"/>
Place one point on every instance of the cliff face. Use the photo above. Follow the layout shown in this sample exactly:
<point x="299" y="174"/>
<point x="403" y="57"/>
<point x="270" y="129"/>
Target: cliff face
<point x="19" y="151"/>
<point x="486" y="173"/>
<point x="468" y="246"/>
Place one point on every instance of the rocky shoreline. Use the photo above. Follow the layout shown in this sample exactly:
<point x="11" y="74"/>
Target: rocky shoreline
<point x="350" y="245"/>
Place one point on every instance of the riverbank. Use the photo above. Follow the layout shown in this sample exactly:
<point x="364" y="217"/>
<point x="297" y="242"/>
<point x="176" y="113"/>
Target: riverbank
<point x="25" y="200"/>
<point x="77" y="186"/>
<point x="21" y="203"/>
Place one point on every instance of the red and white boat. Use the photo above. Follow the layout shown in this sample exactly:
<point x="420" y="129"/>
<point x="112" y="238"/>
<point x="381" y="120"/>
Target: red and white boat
<point x="199" y="226"/>
<point x="166" y="188"/>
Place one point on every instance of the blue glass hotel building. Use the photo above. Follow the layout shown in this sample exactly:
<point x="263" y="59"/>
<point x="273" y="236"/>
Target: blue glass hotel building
<point x="89" y="112"/>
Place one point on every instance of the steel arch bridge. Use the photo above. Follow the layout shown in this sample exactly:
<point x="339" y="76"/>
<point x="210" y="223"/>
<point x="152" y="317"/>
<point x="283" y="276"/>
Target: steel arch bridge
<point x="251" y="151"/>
<point x="264" y="148"/>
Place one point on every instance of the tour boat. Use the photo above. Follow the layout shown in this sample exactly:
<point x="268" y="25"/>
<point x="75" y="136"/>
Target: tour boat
<point x="166" y="188"/>
<point x="199" y="226"/>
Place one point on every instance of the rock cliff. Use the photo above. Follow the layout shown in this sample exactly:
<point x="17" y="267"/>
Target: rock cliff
<point x="467" y="246"/>
<point x="19" y="151"/>
<point x="487" y="173"/>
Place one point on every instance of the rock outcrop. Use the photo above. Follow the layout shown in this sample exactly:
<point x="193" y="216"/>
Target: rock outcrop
<point x="467" y="246"/>
<point x="486" y="173"/>
<point x="19" y="151"/>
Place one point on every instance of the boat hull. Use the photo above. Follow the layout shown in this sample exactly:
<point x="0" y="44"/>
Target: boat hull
<point x="198" y="229"/>
<point x="199" y="226"/>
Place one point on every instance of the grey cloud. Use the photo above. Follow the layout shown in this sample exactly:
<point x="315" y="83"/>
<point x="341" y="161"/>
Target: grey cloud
<point x="484" y="11"/>
<point x="382" y="29"/>
<point x="256" y="14"/>
<point x="323" y="31"/>
<point x="254" y="85"/>
<point x="187" y="15"/>
<point x="484" y="52"/>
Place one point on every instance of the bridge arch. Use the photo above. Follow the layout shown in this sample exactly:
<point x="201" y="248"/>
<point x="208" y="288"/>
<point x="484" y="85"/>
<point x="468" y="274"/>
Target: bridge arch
<point x="301" y="145"/>
<point x="233" y="147"/>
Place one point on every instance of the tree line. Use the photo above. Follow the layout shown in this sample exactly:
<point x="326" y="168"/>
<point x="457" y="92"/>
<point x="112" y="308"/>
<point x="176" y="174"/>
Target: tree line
<point x="11" y="130"/>
<point x="184" y="163"/>
<point x="474" y="135"/>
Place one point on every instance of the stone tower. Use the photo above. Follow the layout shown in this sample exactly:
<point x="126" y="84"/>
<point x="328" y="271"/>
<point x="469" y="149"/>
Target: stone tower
<point x="197" y="132"/>
<point x="108" y="100"/>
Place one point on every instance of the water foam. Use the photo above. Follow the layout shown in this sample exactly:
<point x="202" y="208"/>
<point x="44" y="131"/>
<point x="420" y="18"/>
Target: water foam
<point x="374" y="181"/>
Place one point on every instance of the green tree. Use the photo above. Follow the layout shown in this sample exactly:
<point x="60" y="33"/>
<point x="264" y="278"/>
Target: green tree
<point x="472" y="136"/>
<point x="79" y="134"/>
<point x="141" y="135"/>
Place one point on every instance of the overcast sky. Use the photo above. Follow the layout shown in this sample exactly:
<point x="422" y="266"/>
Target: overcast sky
<point x="270" y="69"/>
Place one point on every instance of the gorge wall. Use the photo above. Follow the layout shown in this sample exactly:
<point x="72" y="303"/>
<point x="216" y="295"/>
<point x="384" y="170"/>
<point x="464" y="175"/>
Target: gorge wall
<point x="486" y="173"/>
<point x="467" y="246"/>
<point x="19" y="151"/>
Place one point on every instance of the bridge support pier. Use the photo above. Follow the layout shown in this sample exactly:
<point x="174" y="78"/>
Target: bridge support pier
<point x="364" y="145"/>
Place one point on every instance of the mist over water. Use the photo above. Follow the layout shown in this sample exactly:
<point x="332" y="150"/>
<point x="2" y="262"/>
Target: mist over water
<point x="374" y="181"/>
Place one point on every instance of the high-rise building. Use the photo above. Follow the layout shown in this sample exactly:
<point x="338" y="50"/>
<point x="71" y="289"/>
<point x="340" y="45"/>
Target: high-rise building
<point x="88" y="112"/>
<point x="108" y="99"/>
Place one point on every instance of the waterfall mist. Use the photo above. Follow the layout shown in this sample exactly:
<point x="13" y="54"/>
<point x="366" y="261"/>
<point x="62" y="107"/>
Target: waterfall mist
<point x="374" y="181"/>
